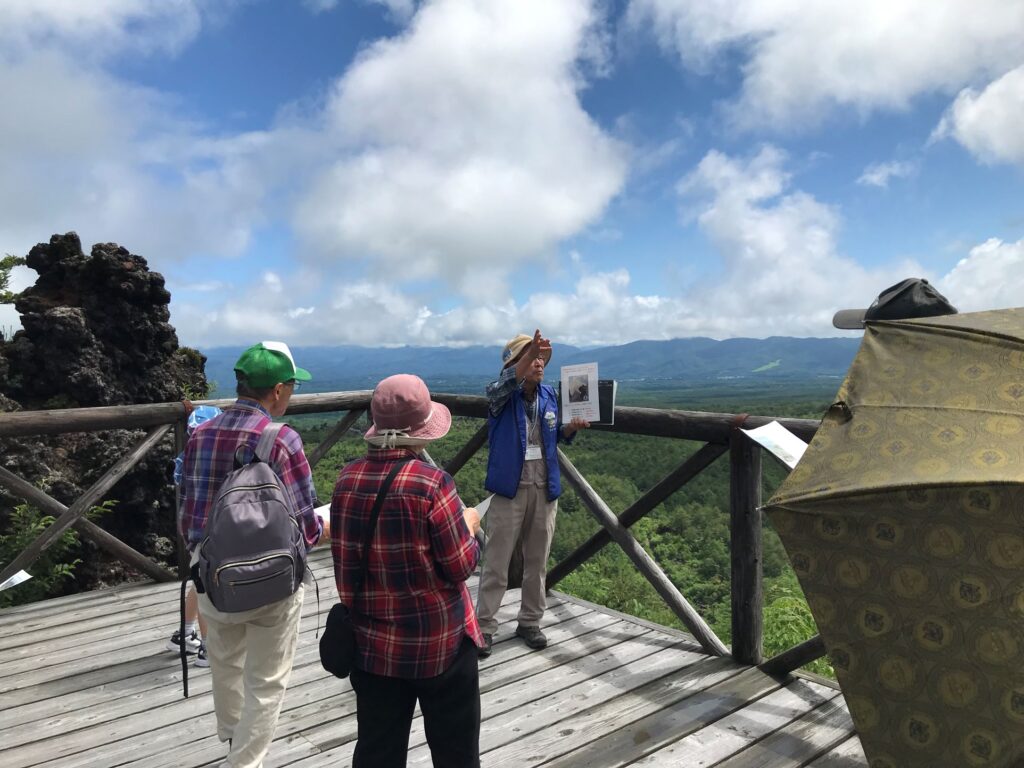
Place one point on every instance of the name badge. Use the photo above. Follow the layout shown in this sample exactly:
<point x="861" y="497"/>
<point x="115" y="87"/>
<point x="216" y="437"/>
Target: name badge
<point x="533" y="452"/>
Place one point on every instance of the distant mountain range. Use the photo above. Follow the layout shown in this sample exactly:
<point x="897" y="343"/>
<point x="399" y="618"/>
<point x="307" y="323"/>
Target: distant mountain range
<point x="690" y="361"/>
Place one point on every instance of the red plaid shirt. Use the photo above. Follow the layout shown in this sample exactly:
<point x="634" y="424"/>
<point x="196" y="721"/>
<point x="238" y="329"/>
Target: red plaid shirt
<point x="414" y="608"/>
<point x="210" y="457"/>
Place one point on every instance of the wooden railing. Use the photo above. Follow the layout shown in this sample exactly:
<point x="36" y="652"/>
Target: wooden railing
<point x="720" y="433"/>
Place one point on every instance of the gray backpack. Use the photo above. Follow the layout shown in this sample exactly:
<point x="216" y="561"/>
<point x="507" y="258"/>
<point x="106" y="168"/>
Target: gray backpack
<point x="253" y="553"/>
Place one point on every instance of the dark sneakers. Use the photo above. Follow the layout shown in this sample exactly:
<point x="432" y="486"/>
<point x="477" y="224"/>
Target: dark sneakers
<point x="484" y="652"/>
<point x="201" y="659"/>
<point x="532" y="636"/>
<point x="192" y="642"/>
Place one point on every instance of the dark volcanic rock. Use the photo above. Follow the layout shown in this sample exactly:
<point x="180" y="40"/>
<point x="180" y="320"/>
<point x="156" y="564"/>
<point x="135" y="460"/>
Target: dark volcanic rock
<point x="96" y="331"/>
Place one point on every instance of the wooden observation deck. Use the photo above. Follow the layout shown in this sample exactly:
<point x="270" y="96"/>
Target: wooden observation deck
<point x="85" y="680"/>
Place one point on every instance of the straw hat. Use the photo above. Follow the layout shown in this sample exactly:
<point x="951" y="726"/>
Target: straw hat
<point x="510" y="354"/>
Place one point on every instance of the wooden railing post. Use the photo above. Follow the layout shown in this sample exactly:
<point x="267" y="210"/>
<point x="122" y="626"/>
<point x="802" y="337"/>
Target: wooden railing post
<point x="747" y="547"/>
<point x="180" y="436"/>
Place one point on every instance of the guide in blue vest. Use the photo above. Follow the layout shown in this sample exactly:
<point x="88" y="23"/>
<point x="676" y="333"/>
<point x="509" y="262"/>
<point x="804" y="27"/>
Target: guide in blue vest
<point x="522" y="471"/>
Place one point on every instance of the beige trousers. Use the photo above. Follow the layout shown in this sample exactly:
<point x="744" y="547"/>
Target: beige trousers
<point x="251" y="655"/>
<point x="529" y="516"/>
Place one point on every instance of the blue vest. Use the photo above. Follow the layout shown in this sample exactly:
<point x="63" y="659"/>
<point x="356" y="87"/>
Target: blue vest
<point x="507" y="433"/>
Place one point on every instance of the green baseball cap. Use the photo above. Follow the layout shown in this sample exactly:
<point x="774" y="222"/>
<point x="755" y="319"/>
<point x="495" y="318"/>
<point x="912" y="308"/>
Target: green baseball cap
<point x="269" y="363"/>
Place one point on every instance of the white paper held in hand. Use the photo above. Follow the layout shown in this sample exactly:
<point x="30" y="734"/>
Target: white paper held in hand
<point x="780" y="441"/>
<point x="481" y="508"/>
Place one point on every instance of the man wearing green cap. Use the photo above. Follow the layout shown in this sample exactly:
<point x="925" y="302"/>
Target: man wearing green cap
<point x="250" y="652"/>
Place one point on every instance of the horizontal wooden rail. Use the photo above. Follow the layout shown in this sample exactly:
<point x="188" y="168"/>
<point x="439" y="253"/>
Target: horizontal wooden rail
<point x="655" y="422"/>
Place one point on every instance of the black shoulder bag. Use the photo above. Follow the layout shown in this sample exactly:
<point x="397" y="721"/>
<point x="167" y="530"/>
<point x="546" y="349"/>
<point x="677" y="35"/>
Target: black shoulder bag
<point x="338" y="643"/>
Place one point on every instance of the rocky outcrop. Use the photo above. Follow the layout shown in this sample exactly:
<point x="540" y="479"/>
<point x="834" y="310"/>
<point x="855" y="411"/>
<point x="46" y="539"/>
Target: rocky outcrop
<point x="96" y="331"/>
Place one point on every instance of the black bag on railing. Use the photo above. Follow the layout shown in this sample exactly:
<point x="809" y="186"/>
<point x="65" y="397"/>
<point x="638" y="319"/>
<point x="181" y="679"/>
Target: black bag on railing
<point x="338" y="643"/>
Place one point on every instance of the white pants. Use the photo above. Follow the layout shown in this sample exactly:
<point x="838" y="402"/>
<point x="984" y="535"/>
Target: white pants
<point x="529" y="516"/>
<point x="251" y="656"/>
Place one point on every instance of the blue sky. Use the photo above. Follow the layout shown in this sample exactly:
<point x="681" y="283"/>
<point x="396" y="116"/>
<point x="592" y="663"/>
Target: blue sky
<point x="455" y="171"/>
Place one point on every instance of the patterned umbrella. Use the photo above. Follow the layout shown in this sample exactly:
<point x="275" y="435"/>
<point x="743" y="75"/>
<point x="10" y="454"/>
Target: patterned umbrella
<point x="904" y="522"/>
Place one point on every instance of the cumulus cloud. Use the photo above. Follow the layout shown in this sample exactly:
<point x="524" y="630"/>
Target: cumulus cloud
<point x="801" y="60"/>
<point x="782" y="269"/>
<point x="880" y="174"/>
<point x="137" y="25"/>
<point x="465" y="150"/>
<point x="781" y="273"/>
<point x="84" y="150"/>
<point x="991" y="277"/>
<point x="988" y="123"/>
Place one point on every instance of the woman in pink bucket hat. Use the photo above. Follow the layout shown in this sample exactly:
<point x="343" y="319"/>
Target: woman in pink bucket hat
<point x="417" y="635"/>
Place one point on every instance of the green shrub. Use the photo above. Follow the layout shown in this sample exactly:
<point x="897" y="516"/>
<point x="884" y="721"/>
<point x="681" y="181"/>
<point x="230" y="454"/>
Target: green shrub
<point x="53" y="567"/>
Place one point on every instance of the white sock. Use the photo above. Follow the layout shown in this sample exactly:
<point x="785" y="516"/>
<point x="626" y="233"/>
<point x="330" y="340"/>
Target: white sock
<point x="190" y="627"/>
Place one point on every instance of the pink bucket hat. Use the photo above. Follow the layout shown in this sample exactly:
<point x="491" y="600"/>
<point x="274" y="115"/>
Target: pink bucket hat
<point x="404" y="414"/>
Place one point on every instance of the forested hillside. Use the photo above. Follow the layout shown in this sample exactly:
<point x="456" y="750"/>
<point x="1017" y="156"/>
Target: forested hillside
<point x="688" y="535"/>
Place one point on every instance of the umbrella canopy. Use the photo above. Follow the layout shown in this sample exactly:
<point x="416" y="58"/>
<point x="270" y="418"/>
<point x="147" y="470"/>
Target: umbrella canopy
<point x="904" y="522"/>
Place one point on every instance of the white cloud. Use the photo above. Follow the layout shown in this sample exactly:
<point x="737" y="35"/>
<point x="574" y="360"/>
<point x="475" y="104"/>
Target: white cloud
<point x="320" y="6"/>
<point x="781" y="274"/>
<point x="988" y="124"/>
<point x="83" y="150"/>
<point x="465" y="148"/>
<point x="782" y="270"/>
<point x="991" y="277"/>
<point x="879" y="174"/>
<point x="102" y="28"/>
<point x="400" y="10"/>
<point x="801" y="59"/>
<point x="460" y="151"/>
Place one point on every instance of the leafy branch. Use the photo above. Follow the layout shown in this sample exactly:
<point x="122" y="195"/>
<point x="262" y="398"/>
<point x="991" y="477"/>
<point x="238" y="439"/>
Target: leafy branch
<point x="7" y="263"/>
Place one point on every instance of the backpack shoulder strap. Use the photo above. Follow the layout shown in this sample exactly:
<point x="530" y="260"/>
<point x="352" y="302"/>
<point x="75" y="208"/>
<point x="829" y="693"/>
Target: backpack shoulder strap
<point x="267" y="438"/>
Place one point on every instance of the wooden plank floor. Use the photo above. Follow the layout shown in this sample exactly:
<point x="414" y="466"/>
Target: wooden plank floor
<point x="85" y="681"/>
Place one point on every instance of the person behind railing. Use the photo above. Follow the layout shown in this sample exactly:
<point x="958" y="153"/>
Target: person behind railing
<point x="416" y="632"/>
<point x="194" y="637"/>
<point x="251" y="652"/>
<point x="524" y="428"/>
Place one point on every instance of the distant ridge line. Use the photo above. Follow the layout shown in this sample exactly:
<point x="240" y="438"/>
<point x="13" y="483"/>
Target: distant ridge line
<point x="689" y="361"/>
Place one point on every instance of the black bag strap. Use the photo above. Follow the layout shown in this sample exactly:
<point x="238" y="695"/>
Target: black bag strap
<point x="372" y="527"/>
<point x="181" y="636"/>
